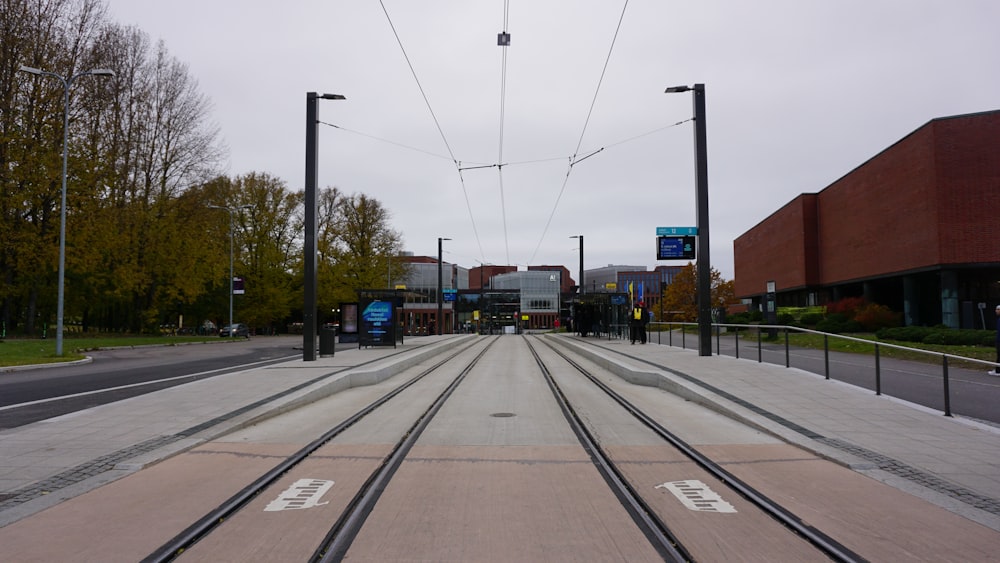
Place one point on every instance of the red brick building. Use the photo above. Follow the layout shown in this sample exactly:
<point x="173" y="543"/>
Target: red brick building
<point x="479" y="277"/>
<point x="916" y="228"/>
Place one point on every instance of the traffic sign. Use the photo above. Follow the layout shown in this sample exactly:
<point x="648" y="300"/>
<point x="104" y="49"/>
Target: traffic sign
<point x="676" y="231"/>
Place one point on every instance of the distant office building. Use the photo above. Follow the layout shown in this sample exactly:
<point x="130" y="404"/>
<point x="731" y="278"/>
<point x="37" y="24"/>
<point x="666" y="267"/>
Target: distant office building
<point x="915" y="228"/>
<point x="605" y="280"/>
<point x="540" y="292"/>
<point x="420" y="293"/>
<point x="567" y="282"/>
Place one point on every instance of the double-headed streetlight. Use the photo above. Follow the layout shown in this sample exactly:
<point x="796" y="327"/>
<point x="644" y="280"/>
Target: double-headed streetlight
<point x="232" y="227"/>
<point x="582" y="286"/>
<point x="440" y="293"/>
<point x="67" y="83"/>
<point x="309" y="285"/>
<point x="704" y="281"/>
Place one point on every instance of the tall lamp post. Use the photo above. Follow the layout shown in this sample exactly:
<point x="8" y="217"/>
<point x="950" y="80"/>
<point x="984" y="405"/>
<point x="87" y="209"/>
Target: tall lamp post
<point x="309" y="284"/>
<point x="67" y="83"/>
<point x="440" y="293"/>
<point x="232" y="227"/>
<point x="704" y="281"/>
<point x="583" y="288"/>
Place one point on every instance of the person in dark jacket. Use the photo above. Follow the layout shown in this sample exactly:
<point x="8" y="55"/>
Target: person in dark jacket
<point x="996" y="370"/>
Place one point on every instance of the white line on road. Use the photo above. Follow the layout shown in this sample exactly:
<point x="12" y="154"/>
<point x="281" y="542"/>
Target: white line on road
<point x="131" y="385"/>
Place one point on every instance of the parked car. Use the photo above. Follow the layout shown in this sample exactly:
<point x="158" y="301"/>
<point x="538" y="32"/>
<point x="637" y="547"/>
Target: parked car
<point x="234" y="330"/>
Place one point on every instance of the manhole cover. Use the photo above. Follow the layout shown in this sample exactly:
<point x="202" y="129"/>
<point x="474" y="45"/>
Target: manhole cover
<point x="503" y="414"/>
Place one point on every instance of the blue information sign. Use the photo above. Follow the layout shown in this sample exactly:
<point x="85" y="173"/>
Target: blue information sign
<point x="676" y="231"/>
<point x="675" y="248"/>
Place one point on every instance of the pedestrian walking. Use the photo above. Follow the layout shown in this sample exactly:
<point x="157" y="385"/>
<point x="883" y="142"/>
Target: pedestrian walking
<point x="996" y="370"/>
<point x="643" y="321"/>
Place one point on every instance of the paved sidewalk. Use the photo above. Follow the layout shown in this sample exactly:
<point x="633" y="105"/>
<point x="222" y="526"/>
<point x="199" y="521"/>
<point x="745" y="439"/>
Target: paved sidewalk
<point x="950" y="461"/>
<point x="47" y="462"/>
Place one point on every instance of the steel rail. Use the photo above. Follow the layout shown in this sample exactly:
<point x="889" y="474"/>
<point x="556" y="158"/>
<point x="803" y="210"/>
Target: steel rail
<point x="656" y="531"/>
<point x="338" y="540"/>
<point x="817" y="538"/>
<point x="210" y="521"/>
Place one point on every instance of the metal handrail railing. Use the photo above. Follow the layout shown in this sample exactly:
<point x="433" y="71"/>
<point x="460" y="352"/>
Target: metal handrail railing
<point x="774" y="329"/>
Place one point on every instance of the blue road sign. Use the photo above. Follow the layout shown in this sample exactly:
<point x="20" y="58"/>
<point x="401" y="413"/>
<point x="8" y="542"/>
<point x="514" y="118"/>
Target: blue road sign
<point x="675" y="248"/>
<point x="676" y="231"/>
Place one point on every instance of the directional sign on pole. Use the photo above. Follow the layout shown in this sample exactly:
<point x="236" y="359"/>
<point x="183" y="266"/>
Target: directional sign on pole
<point x="676" y="231"/>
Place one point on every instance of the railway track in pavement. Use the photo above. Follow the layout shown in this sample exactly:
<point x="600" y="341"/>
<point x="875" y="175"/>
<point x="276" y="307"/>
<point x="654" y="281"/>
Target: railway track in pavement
<point x="508" y="448"/>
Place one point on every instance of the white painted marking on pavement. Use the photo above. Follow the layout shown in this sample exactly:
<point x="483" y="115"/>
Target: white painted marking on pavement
<point x="239" y="368"/>
<point x="697" y="496"/>
<point x="304" y="493"/>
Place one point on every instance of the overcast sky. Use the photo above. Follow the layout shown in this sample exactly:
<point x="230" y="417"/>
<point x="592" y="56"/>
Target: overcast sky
<point x="799" y="93"/>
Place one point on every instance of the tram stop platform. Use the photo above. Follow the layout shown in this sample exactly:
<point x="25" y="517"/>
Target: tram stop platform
<point x="950" y="461"/>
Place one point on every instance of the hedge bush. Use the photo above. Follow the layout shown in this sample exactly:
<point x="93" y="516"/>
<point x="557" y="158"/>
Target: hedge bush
<point x="938" y="335"/>
<point x="837" y="323"/>
<point x="811" y="319"/>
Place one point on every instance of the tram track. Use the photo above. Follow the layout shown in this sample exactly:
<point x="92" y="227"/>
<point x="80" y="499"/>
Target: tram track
<point x="817" y="538"/>
<point x="507" y="448"/>
<point x="338" y="540"/>
<point x="351" y="520"/>
<point x="658" y="534"/>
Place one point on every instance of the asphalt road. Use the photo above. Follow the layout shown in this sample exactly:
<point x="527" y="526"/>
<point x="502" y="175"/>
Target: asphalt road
<point x="37" y="394"/>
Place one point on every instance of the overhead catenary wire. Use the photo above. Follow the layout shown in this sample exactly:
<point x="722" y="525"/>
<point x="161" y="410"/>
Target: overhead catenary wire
<point x="429" y="153"/>
<point x="437" y="124"/>
<point x="574" y="159"/>
<point x="481" y="165"/>
<point x="503" y="97"/>
<point x="583" y="133"/>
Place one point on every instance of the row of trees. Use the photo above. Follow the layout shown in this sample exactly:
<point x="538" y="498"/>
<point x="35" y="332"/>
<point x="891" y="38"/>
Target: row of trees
<point x="145" y="163"/>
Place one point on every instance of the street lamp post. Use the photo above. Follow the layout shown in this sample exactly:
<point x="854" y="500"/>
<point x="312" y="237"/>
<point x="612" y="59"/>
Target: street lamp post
<point x="309" y="267"/>
<point x="583" y="288"/>
<point x="232" y="228"/>
<point x="704" y="281"/>
<point x="440" y="292"/>
<point x="67" y="83"/>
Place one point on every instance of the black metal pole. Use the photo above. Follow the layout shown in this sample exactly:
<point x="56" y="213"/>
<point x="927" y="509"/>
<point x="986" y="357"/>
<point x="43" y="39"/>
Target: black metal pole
<point x="703" y="259"/>
<point x="309" y="285"/>
<point x="582" y="286"/>
<point x="309" y="251"/>
<point x="440" y="320"/>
